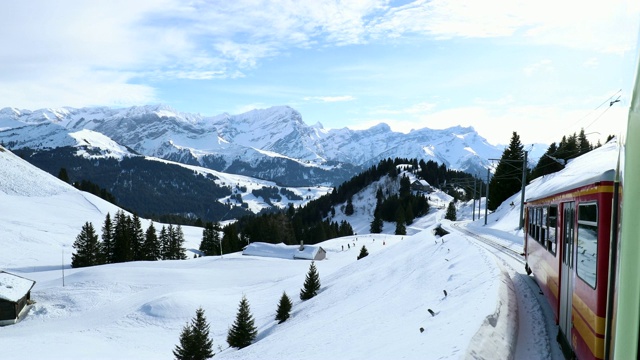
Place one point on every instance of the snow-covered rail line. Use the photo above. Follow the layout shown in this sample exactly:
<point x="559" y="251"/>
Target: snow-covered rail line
<point x="504" y="249"/>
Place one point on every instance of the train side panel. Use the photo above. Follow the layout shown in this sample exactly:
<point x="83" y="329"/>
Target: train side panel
<point x="544" y="244"/>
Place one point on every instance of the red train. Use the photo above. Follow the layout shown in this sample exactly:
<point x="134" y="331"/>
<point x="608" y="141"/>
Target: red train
<point x="567" y="248"/>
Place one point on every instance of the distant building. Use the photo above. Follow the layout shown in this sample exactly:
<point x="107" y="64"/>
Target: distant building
<point x="421" y="185"/>
<point x="310" y="252"/>
<point x="15" y="295"/>
<point x="282" y="251"/>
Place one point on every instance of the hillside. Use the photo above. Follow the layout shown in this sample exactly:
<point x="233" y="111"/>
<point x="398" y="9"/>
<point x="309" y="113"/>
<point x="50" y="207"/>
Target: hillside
<point x="154" y="187"/>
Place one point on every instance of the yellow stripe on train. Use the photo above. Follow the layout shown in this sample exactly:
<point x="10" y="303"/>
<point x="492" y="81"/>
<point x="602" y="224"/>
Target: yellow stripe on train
<point x="584" y="320"/>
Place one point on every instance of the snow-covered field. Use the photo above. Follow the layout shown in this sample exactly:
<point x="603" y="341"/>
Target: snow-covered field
<point x="369" y="308"/>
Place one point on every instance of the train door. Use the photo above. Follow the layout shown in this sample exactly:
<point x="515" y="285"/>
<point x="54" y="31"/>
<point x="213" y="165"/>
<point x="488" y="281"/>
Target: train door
<point x="566" y="270"/>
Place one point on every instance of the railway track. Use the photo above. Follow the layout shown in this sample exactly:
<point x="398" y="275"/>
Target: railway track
<point x="504" y="249"/>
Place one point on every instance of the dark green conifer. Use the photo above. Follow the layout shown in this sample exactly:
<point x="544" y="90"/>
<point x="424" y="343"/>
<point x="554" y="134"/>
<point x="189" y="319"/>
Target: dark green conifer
<point x="210" y="240"/>
<point x="284" y="308"/>
<point x="348" y="210"/>
<point x="62" y="175"/>
<point x="243" y="331"/>
<point x="363" y="252"/>
<point x="401" y="229"/>
<point x="87" y="246"/>
<point x="151" y="248"/>
<point x="311" y="283"/>
<point x="451" y="212"/>
<point x="195" y="343"/>
<point x="107" y="240"/>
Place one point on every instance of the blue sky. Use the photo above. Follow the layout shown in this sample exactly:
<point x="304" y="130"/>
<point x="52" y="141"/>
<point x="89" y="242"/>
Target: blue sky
<point x="540" y="68"/>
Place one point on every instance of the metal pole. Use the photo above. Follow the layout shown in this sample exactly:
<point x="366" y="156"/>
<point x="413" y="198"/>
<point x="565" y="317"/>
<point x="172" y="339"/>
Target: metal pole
<point x="479" y="198"/>
<point x="524" y="180"/>
<point x="62" y="267"/>
<point x="473" y="211"/>
<point x="486" y="201"/>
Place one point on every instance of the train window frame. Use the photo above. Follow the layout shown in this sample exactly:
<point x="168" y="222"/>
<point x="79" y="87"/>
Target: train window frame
<point x="580" y="256"/>
<point x="544" y="229"/>
<point x="537" y="225"/>
<point x="552" y="228"/>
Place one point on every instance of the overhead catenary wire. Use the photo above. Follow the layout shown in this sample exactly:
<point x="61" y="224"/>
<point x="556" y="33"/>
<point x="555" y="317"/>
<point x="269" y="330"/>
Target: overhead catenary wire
<point x="608" y="100"/>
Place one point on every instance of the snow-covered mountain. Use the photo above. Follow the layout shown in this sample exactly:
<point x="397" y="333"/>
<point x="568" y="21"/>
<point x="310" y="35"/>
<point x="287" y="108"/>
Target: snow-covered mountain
<point x="273" y="143"/>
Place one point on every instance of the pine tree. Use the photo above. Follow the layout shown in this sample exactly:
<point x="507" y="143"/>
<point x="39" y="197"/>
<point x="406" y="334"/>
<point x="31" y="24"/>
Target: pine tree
<point x="377" y="223"/>
<point x="311" y="283"/>
<point x="584" y="145"/>
<point x="181" y="253"/>
<point x="401" y="229"/>
<point x="87" y="246"/>
<point x="210" y="239"/>
<point x="122" y="238"/>
<point x="151" y="246"/>
<point x="230" y="238"/>
<point x="508" y="176"/>
<point x="62" y="175"/>
<point x="165" y="248"/>
<point x="451" y="212"/>
<point x="107" y="240"/>
<point x="548" y="163"/>
<point x="195" y="343"/>
<point x="284" y="308"/>
<point x="137" y="238"/>
<point x="348" y="210"/>
<point x="363" y="252"/>
<point x="243" y="331"/>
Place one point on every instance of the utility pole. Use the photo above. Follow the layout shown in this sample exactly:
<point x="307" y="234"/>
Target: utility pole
<point x="62" y="267"/>
<point x="524" y="181"/>
<point x="479" y="198"/>
<point x="486" y="201"/>
<point x="524" y="184"/>
<point x="473" y="211"/>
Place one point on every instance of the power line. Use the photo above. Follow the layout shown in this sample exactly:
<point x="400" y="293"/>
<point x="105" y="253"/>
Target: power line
<point x="608" y="100"/>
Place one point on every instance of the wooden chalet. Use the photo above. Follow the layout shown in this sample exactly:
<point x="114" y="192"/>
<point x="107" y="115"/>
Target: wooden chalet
<point x="15" y="295"/>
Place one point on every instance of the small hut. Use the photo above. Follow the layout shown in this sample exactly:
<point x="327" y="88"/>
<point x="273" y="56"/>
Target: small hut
<point x="310" y="252"/>
<point x="15" y="295"/>
<point x="421" y="185"/>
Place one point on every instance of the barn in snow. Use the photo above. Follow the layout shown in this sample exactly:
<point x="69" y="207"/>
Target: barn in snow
<point x="303" y="252"/>
<point x="421" y="185"/>
<point x="310" y="252"/>
<point x="15" y="294"/>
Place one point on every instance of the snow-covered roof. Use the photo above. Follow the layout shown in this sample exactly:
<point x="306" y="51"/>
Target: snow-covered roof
<point x="308" y="252"/>
<point x="14" y="287"/>
<point x="422" y="182"/>
<point x="281" y="251"/>
<point x="597" y="165"/>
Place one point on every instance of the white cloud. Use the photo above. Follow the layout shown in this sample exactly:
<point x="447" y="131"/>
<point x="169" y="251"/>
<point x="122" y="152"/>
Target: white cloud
<point x="77" y="89"/>
<point x="70" y="44"/>
<point x="415" y="109"/>
<point x="593" y="25"/>
<point x="541" y="66"/>
<point x="591" y="63"/>
<point x="330" y="98"/>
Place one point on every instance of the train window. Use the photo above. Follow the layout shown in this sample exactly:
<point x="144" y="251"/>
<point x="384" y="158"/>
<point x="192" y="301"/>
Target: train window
<point x="537" y="226"/>
<point x="553" y="226"/>
<point x="543" y="225"/>
<point x="587" y="247"/>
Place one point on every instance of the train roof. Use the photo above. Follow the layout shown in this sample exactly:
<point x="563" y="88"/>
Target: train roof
<point x="595" y="166"/>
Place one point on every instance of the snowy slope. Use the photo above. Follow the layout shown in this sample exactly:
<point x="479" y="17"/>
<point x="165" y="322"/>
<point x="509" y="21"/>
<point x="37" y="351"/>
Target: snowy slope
<point x="40" y="216"/>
